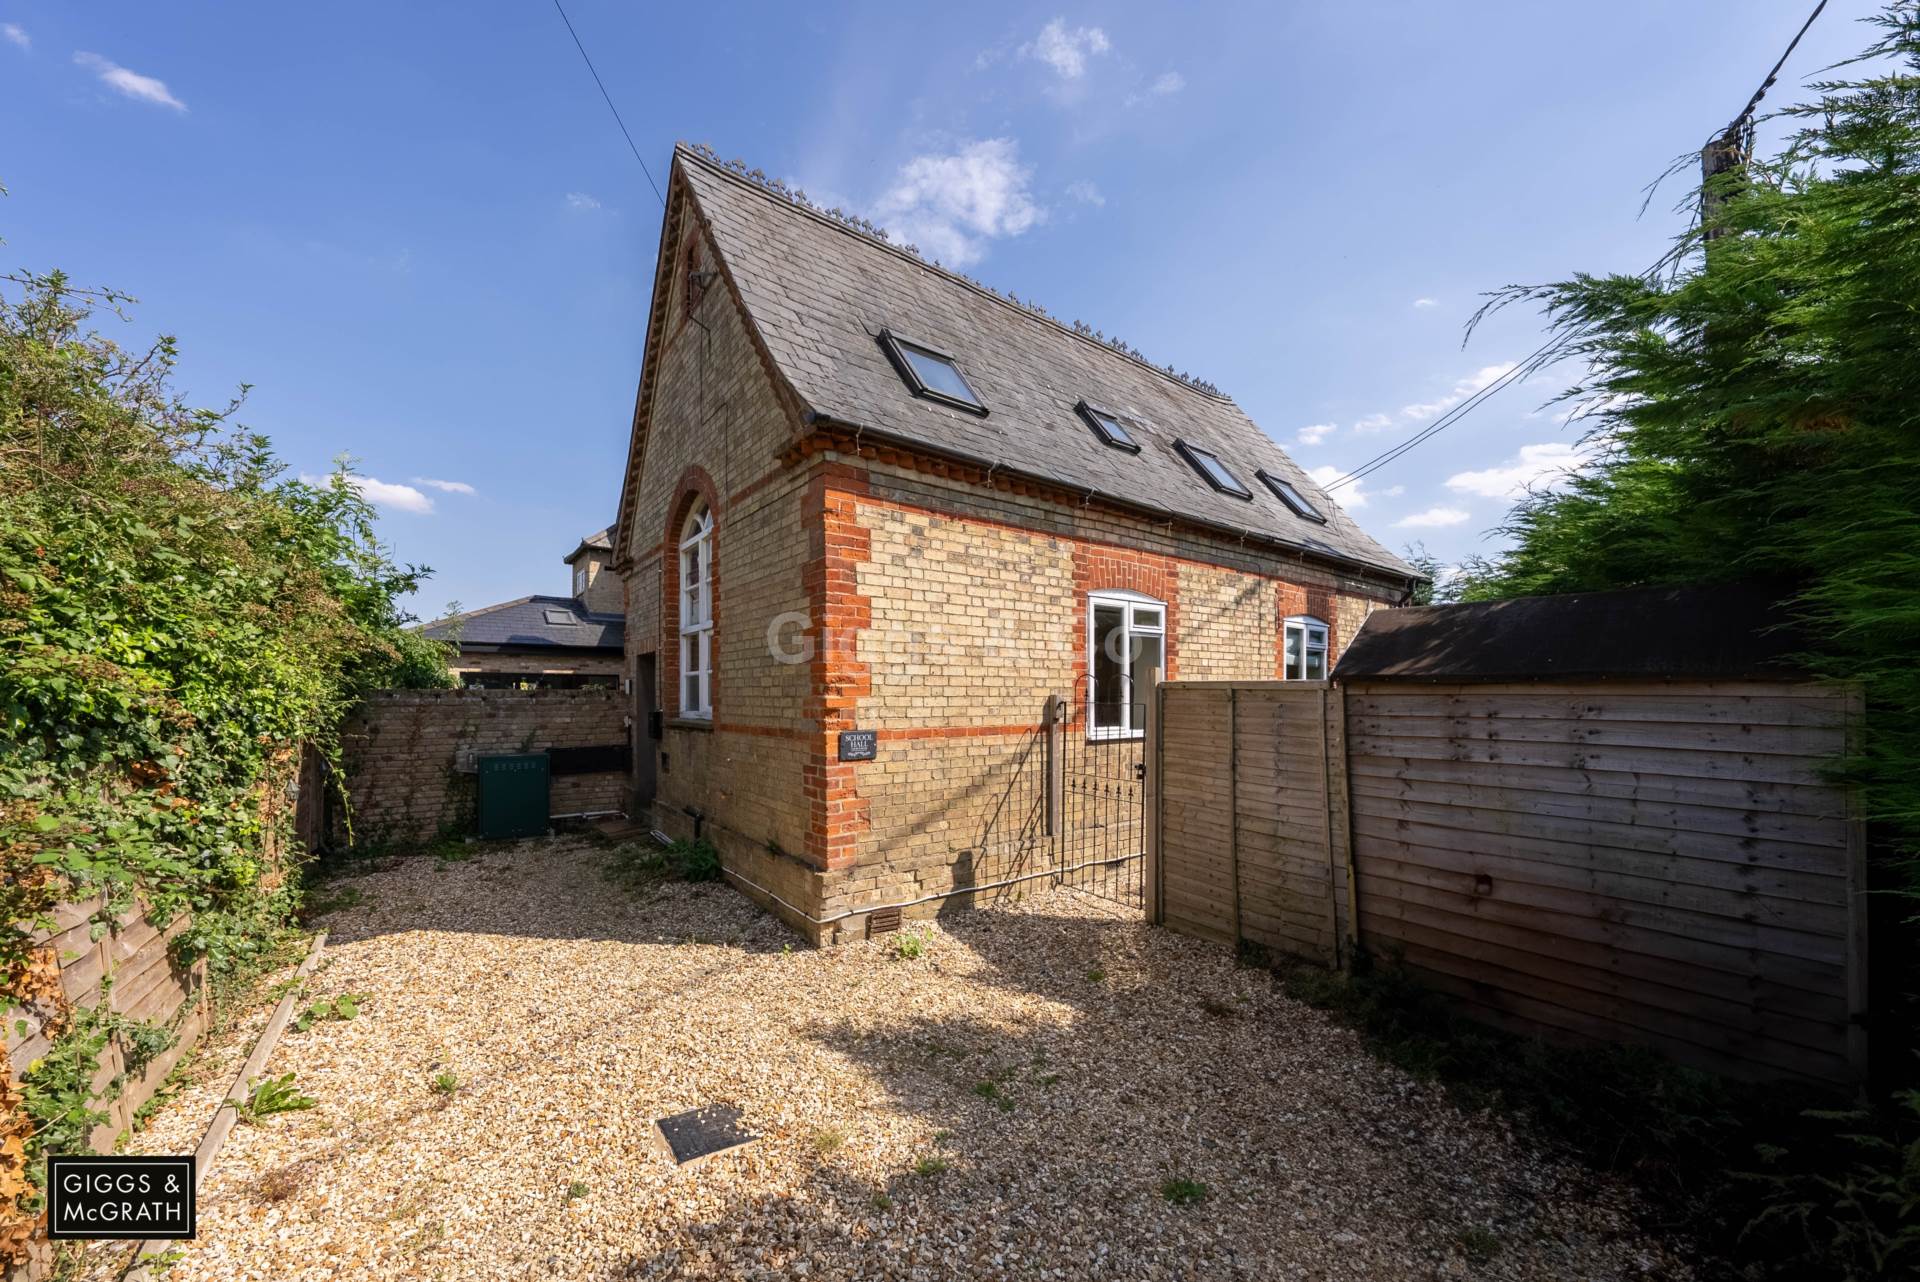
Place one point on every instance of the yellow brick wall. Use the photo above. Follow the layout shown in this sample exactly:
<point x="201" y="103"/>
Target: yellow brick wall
<point x="1227" y="624"/>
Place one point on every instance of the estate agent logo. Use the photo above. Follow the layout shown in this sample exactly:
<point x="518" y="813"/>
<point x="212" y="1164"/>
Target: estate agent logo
<point x="119" y="1197"/>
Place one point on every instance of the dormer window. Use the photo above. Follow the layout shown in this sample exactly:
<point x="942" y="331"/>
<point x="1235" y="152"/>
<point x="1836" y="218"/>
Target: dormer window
<point x="931" y="373"/>
<point x="1212" y="470"/>
<point x="1291" y="496"/>
<point x="1107" y="427"/>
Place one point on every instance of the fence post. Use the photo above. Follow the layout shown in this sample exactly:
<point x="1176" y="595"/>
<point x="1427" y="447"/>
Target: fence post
<point x="1055" y="766"/>
<point x="1233" y="804"/>
<point x="1150" y="803"/>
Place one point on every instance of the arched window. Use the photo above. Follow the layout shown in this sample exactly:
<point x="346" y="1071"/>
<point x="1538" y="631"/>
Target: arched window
<point x="696" y="613"/>
<point x="1306" y="649"/>
<point x="1126" y="641"/>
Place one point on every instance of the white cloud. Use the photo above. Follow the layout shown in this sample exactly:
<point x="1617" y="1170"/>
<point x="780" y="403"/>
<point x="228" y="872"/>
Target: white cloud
<point x="950" y="206"/>
<point x="16" y="33"/>
<point x="445" y="487"/>
<point x="1433" y="518"/>
<point x="1086" y="193"/>
<point x="1314" y="433"/>
<point x="1424" y="303"/>
<point x="1478" y="381"/>
<point x="1066" y="51"/>
<point x="1167" y="82"/>
<point x="129" y="83"/>
<point x="1374" y="423"/>
<point x="384" y="494"/>
<point x="1393" y="491"/>
<point x="1533" y="465"/>
<point x="1349" y="496"/>
<point x="580" y="200"/>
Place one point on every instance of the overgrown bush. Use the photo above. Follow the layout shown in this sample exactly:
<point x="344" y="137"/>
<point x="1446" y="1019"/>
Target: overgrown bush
<point x="177" y="619"/>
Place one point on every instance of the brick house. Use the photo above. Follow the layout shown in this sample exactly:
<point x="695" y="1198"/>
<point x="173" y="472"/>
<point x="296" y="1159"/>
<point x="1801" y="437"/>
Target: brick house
<point x="550" y="642"/>
<point x="865" y="493"/>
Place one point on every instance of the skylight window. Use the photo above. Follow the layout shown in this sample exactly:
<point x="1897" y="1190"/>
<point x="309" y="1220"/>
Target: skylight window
<point x="1293" y="498"/>
<point x="931" y="373"/>
<point x="1108" y="428"/>
<point x="1213" y="471"/>
<point x="562" y="618"/>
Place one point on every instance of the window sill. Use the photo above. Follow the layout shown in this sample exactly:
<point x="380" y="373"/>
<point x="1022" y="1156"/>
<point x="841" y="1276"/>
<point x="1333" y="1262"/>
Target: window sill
<point x="690" y="723"/>
<point x="1115" y="736"/>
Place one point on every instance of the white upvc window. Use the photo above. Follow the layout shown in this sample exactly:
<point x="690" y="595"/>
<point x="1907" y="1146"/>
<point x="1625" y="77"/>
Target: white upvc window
<point x="580" y="580"/>
<point x="1306" y="649"/>
<point x="1126" y="641"/>
<point x="696" y="614"/>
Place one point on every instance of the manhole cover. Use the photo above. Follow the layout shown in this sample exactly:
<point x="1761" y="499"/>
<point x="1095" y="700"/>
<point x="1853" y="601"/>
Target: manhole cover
<point x="694" y="1136"/>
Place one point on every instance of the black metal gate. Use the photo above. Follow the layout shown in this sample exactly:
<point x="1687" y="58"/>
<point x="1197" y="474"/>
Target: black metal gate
<point x="1097" y="789"/>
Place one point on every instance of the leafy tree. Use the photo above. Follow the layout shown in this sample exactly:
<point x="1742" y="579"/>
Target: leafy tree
<point x="1757" y="412"/>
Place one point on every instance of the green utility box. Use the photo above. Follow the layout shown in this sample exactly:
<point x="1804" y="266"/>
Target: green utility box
<point x="512" y="798"/>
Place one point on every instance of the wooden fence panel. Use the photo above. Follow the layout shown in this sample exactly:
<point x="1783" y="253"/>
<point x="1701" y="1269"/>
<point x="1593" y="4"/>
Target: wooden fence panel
<point x="1662" y="863"/>
<point x="1249" y="843"/>
<point x="1665" y="863"/>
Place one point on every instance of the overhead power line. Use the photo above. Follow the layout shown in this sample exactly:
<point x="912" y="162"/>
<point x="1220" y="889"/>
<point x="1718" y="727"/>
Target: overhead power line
<point x="610" y="107"/>
<point x="1547" y="352"/>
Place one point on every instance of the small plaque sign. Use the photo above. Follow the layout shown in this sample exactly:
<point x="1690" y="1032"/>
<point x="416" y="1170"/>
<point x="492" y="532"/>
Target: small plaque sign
<point x="94" y="1197"/>
<point x="859" y="745"/>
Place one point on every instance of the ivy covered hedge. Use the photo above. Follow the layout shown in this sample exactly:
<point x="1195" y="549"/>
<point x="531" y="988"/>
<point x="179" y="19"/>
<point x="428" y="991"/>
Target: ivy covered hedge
<point x="177" y="617"/>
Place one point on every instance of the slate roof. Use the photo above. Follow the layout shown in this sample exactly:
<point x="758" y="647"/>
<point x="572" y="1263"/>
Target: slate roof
<point x="602" y="541"/>
<point x="1724" y="631"/>
<point x="524" y="622"/>
<point x="819" y="293"/>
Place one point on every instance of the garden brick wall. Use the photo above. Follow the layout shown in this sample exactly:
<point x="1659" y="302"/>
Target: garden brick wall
<point x="410" y="754"/>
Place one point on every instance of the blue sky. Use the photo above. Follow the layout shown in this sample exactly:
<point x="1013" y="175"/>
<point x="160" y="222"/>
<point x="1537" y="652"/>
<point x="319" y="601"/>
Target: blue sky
<point x="417" y="232"/>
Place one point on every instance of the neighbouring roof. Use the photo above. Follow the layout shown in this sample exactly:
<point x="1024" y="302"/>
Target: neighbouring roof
<point x="1725" y="631"/>
<point x="600" y="542"/>
<point x="819" y="293"/>
<point x="551" y="621"/>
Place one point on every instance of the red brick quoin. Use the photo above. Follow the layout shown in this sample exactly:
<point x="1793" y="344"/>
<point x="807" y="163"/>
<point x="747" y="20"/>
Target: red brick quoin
<point x="694" y="484"/>
<point x="838" y="815"/>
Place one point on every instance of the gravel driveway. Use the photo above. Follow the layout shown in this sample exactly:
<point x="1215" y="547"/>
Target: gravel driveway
<point x="1013" y="1103"/>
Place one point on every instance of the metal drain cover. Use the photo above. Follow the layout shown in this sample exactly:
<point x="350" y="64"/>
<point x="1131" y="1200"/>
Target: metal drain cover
<point x="692" y="1137"/>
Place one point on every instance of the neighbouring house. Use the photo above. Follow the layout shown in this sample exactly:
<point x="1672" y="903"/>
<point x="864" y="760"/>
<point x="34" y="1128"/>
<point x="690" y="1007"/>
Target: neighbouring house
<point x="875" y="509"/>
<point x="546" y="642"/>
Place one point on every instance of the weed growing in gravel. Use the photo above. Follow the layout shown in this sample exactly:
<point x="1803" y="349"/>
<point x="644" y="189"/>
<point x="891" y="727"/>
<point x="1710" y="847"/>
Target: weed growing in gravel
<point x="941" y="1137"/>
<point x="1095" y="975"/>
<point x="445" y="1083"/>
<point x="1183" y="1192"/>
<point x="324" y="898"/>
<point x="909" y="945"/>
<point x="881" y="1202"/>
<point x="576" y="1190"/>
<point x="827" y="1139"/>
<point x="642" y="866"/>
<point x="345" y="1006"/>
<point x="930" y="1165"/>
<point x="282" y="1182"/>
<point x="992" y="1094"/>
<point x="272" y="1095"/>
<point x="1478" y="1244"/>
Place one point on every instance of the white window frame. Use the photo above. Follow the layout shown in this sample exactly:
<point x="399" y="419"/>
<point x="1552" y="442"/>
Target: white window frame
<point x="696" y="612"/>
<point x="579" y="579"/>
<point x="1313" y="636"/>
<point x="1128" y="601"/>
